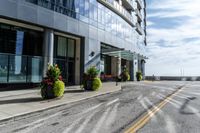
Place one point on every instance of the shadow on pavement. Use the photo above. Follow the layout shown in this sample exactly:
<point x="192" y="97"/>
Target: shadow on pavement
<point x="21" y="100"/>
<point x="74" y="91"/>
<point x="184" y="106"/>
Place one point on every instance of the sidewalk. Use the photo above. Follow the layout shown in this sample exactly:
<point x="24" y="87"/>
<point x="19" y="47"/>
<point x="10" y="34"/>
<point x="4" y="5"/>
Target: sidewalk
<point x="21" y="102"/>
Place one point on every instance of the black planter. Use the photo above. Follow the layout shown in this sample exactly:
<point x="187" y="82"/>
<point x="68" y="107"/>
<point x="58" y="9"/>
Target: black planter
<point x="88" y="85"/>
<point x="47" y="92"/>
<point x="138" y="79"/>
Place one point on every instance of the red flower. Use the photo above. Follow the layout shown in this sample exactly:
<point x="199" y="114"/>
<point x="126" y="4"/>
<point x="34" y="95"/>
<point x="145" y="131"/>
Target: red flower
<point x="60" y="78"/>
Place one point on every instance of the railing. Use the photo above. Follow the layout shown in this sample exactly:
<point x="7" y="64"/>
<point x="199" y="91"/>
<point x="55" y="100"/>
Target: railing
<point x="139" y="3"/>
<point x="139" y="29"/>
<point x="138" y="14"/>
<point x="122" y="10"/>
<point x="128" y="4"/>
<point x="119" y="9"/>
<point x="20" y="68"/>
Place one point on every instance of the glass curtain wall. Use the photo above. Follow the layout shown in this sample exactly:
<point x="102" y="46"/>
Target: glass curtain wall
<point x="20" y="54"/>
<point x="93" y="13"/>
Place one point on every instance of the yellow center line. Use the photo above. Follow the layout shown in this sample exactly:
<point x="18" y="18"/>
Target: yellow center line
<point x="142" y="121"/>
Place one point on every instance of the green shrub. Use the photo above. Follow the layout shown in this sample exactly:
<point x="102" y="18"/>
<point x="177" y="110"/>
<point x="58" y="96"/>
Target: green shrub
<point x="125" y="76"/>
<point x="96" y="84"/>
<point x="139" y="76"/>
<point x="92" y="72"/>
<point x="128" y="77"/>
<point x="59" y="88"/>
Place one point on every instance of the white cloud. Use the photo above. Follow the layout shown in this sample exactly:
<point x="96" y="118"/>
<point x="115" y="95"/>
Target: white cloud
<point x="175" y="49"/>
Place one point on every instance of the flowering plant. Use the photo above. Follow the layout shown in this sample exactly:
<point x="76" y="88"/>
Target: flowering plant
<point x="52" y="85"/>
<point x="53" y="74"/>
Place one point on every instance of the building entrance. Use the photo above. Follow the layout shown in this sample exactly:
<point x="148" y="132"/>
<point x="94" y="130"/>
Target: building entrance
<point x="64" y="52"/>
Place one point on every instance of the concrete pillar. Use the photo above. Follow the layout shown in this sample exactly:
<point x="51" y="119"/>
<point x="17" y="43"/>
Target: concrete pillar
<point x="135" y="68"/>
<point x="143" y="68"/>
<point x="119" y="65"/>
<point x="77" y="61"/>
<point x="48" y="49"/>
<point x="114" y="66"/>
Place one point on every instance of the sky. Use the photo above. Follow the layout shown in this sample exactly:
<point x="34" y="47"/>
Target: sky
<point x="173" y="38"/>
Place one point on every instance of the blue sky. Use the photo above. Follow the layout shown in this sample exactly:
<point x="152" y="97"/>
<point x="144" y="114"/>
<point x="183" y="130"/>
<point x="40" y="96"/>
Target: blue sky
<point x="173" y="36"/>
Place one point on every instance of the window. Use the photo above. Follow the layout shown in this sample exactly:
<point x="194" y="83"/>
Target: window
<point x="62" y="47"/>
<point x="71" y="48"/>
<point x="20" y="41"/>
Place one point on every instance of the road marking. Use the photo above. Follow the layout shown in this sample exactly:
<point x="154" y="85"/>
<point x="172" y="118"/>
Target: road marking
<point x="142" y="121"/>
<point x="31" y="128"/>
<point x="67" y="129"/>
<point x="112" y="115"/>
<point x="140" y="97"/>
<point x="191" y="93"/>
<point x="113" y="101"/>
<point x="150" y="113"/>
<point x="99" y="124"/>
<point x="72" y="125"/>
<point x="173" y="103"/>
<point x="92" y="108"/>
<point x="36" y="124"/>
<point x="169" y="122"/>
<point x="84" y="124"/>
<point x="195" y="111"/>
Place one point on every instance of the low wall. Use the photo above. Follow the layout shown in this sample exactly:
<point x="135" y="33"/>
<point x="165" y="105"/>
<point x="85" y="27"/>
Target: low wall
<point x="173" y="78"/>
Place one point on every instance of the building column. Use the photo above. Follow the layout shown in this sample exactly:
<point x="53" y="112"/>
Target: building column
<point x="119" y="65"/>
<point x="48" y="49"/>
<point x="143" y="68"/>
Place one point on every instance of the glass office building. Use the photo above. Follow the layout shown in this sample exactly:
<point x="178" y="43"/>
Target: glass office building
<point x="75" y="34"/>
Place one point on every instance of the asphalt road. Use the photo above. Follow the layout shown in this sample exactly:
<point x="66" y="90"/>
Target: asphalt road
<point x="180" y="115"/>
<point x="108" y="113"/>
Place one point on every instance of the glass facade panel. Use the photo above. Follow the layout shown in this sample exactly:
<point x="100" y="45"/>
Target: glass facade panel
<point x="35" y="69"/>
<point x="92" y="12"/>
<point x="20" y="41"/>
<point x="3" y="68"/>
<point x="66" y="59"/>
<point x="17" y="69"/>
<point x="18" y="50"/>
<point x="71" y="48"/>
<point x="62" y="47"/>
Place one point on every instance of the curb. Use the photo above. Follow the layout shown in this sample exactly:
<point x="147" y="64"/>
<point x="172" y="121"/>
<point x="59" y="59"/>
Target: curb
<point x="21" y="116"/>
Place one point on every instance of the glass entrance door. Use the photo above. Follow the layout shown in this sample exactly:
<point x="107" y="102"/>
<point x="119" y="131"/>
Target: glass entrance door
<point x="64" y="52"/>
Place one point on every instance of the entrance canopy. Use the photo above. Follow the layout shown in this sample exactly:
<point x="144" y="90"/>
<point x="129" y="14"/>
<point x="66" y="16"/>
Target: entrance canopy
<point x="120" y="53"/>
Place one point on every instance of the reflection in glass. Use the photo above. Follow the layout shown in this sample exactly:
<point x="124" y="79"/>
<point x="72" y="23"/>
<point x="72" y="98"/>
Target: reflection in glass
<point x="3" y="68"/>
<point x="71" y="48"/>
<point x="17" y="69"/>
<point x="62" y="46"/>
<point x="35" y="66"/>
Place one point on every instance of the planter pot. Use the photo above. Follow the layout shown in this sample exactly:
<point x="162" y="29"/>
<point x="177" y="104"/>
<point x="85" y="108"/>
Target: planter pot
<point x="47" y="92"/>
<point x="88" y="85"/>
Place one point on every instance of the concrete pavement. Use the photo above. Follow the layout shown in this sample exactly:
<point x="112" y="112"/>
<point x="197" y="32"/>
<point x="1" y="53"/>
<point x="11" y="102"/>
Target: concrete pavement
<point x="106" y="113"/>
<point x="17" y="103"/>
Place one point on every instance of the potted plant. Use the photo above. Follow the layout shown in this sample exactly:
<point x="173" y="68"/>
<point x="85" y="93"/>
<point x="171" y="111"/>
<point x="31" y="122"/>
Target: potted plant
<point x="125" y="75"/>
<point x="139" y="76"/>
<point x="91" y="80"/>
<point x="52" y="85"/>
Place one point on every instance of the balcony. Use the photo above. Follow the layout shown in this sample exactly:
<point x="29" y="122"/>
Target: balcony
<point x="139" y="29"/>
<point x="118" y="9"/>
<point x="139" y="3"/>
<point x="128" y="4"/>
<point x="138" y="14"/>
